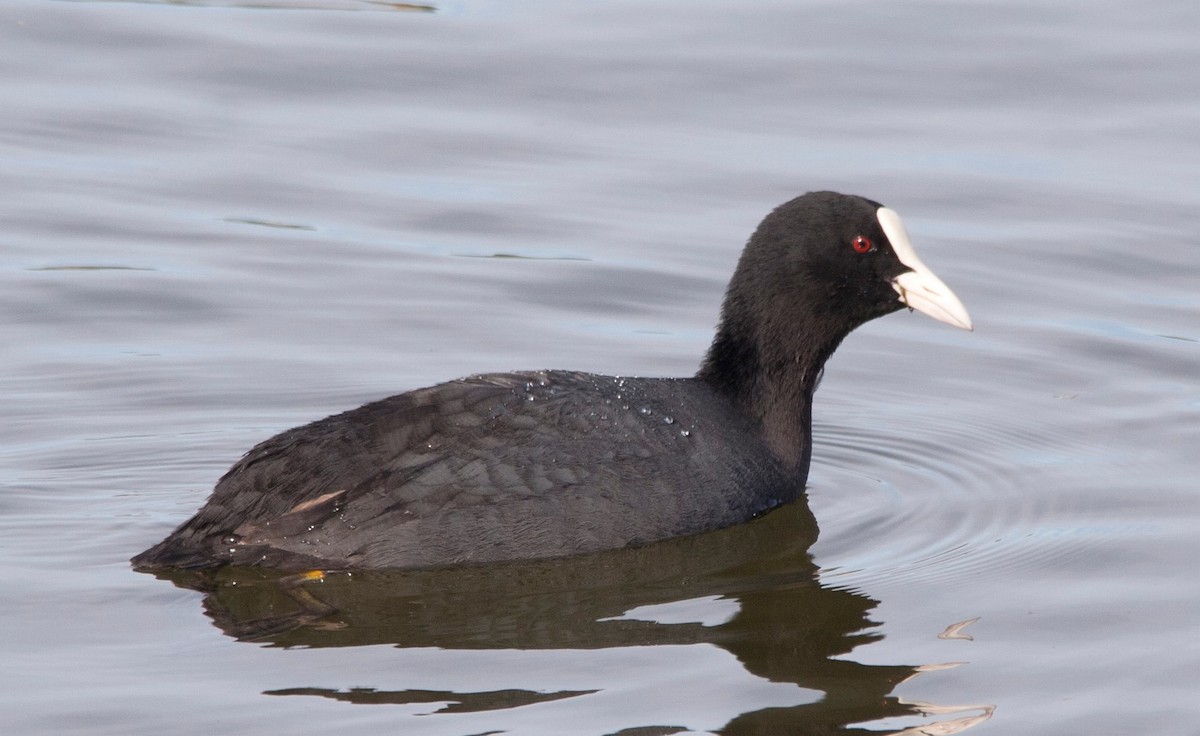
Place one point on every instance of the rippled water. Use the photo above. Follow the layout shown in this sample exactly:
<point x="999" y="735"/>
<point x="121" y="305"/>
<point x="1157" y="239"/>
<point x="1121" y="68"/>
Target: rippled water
<point x="221" y="221"/>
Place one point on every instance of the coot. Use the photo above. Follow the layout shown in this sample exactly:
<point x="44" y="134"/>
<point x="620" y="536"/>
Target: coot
<point x="508" y="466"/>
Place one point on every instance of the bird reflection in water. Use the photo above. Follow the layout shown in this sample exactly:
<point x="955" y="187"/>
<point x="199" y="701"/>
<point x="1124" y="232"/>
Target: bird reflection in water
<point x="783" y="625"/>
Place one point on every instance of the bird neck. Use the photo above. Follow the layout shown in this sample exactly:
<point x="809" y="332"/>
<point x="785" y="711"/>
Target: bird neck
<point x="770" y="375"/>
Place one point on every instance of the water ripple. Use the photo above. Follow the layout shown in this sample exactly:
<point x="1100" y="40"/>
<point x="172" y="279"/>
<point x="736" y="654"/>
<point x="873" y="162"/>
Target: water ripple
<point x="942" y="500"/>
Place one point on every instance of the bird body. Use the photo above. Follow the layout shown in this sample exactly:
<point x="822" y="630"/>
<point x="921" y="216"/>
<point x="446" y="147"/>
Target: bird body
<point x="487" y="468"/>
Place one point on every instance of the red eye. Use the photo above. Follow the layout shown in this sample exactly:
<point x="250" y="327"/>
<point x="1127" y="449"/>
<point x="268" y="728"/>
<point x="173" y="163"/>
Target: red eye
<point x="862" y="244"/>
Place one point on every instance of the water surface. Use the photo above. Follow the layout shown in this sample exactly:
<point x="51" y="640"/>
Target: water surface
<point x="223" y="219"/>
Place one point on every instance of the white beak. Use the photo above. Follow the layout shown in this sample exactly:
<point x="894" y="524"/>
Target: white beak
<point x="919" y="288"/>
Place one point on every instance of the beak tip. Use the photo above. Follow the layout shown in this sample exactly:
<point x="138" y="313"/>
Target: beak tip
<point x="925" y="293"/>
<point x="965" y="323"/>
<point x="961" y="320"/>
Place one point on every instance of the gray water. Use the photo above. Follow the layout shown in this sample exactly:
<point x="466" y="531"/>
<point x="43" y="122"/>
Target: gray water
<point x="223" y="219"/>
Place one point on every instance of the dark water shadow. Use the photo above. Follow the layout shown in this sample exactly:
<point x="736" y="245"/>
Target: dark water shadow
<point x="787" y="626"/>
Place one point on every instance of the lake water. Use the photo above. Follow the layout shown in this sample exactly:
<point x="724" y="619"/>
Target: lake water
<point x="224" y="219"/>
